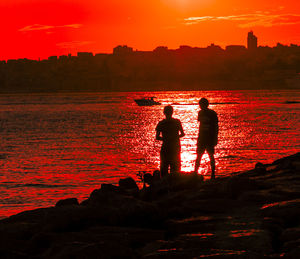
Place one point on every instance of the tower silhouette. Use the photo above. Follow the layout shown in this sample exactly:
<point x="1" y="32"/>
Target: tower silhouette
<point x="251" y="41"/>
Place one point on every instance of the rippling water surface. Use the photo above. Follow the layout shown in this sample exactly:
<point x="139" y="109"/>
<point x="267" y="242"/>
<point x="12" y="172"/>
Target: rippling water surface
<point x="57" y="146"/>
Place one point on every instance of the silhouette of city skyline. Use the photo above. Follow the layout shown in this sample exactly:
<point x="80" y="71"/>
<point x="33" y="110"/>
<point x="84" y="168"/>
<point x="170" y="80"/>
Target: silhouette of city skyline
<point x="124" y="49"/>
<point x="185" y="68"/>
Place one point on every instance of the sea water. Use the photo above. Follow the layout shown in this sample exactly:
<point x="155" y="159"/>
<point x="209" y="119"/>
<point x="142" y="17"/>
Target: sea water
<point x="56" y="146"/>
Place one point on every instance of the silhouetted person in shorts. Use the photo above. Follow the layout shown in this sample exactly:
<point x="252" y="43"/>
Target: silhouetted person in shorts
<point x="169" y="131"/>
<point x="208" y="135"/>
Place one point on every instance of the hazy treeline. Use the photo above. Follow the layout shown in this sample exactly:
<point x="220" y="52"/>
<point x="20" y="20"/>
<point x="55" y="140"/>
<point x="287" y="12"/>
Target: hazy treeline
<point x="185" y="68"/>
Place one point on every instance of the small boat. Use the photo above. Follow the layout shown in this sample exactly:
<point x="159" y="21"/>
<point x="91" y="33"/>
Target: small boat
<point x="147" y="101"/>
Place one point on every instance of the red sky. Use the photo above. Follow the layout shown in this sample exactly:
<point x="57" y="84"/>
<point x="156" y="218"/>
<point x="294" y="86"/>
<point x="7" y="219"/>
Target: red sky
<point x="41" y="28"/>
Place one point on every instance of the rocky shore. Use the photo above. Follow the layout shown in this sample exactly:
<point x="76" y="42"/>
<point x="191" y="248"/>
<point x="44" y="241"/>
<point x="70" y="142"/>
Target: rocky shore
<point x="252" y="214"/>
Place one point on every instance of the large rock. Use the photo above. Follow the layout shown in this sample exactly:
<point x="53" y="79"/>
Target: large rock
<point x="106" y="187"/>
<point x="128" y="186"/>
<point x="82" y="250"/>
<point x="289" y="162"/>
<point x="235" y="186"/>
<point x="287" y="211"/>
<point x="293" y="254"/>
<point x="290" y="234"/>
<point x="67" y="202"/>
<point x="126" y="209"/>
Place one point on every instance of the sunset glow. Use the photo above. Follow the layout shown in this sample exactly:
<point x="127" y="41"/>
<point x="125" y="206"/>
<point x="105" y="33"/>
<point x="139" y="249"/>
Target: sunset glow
<point x="38" y="29"/>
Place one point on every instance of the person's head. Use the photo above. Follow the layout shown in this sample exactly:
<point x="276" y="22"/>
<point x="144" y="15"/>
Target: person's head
<point x="203" y="103"/>
<point x="168" y="111"/>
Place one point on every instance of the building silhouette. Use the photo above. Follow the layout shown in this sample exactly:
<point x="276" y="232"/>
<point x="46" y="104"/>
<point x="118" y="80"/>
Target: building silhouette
<point x="251" y="41"/>
<point x="235" y="49"/>
<point x="122" y="50"/>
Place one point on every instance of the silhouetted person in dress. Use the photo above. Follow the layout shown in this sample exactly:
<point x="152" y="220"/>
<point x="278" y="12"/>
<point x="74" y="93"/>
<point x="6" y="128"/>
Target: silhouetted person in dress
<point x="208" y="135"/>
<point x="169" y="131"/>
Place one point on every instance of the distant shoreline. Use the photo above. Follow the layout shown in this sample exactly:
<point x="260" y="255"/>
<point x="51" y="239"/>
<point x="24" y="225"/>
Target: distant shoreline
<point x="170" y="86"/>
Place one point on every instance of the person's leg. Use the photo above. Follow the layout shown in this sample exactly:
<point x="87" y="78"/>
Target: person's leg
<point x="163" y="165"/>
<point x="211" y="153"/>
<point x="175" y="164"/>
<point x="200" y="152"/>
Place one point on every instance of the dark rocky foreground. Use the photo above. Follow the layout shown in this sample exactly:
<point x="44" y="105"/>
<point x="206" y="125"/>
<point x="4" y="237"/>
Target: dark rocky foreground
<point x="253" y="214"/>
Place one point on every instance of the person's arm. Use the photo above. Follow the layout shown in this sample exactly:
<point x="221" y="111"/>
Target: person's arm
<point x="158" y="136"/>
<point x="181" y="132"/>
<point x="158" y="131"/>
<point x="216" y="128"/>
